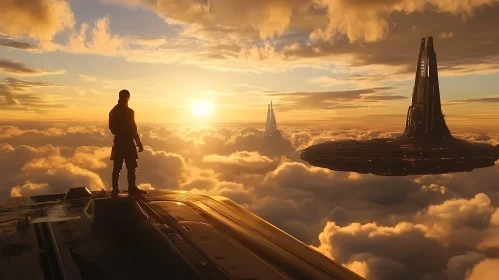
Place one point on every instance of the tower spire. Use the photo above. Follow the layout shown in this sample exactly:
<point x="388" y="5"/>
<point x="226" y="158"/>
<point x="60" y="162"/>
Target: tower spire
<point x="271" y="123"/>
<point x="424" y="117"/>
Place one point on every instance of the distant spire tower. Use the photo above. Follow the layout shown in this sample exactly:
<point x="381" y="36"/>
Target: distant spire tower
<point x="424" y="117"/>
<point x="271" y="123"/>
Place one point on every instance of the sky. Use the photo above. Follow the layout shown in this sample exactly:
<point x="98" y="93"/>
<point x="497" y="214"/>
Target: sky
<point x="352" y="62"/>
<point x="201" y="74"/>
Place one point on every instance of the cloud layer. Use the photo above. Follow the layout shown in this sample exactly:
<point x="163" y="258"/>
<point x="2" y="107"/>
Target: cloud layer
<point x="277" y="35"/>
<point x="380" y="227"/>
<point x="360" y="20"/>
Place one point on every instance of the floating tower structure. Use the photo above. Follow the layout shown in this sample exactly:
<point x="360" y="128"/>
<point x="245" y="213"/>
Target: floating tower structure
<point x="425" y="147"/>
<point x="424" y="117"/>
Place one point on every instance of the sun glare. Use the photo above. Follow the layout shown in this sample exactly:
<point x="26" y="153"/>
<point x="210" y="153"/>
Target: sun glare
<point x="202" y="109"/>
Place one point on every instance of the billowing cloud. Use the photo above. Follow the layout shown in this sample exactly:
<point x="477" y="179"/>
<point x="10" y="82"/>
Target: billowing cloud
<point x="360" y="20"/>
<point x="29" y="189"/>
<point x="95" y="39"/>
<point x="40" y="19"/>
<point x="459" y="266"/>
<point x="42" y="169"/>
<point x="379" y="246"/>
<point x="160" y="169"/>
<point x="486" y="270"/>
<point x="374" y="37"/>
<point x="265" y="18"/>
<point x="280" y="35"/>
<point x="246" y="162"/>
<point x="380" y="227"/>
<point x="368" y="20"/>
<point x="59" y="172"/>
<point x="447" y="219"/>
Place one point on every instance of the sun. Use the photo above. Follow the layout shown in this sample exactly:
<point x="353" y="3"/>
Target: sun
<point x="202" y="109"/>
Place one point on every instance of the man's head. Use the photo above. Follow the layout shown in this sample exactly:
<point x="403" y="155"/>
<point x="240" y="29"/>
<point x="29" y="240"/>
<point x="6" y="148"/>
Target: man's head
<point x="124" y="95"/>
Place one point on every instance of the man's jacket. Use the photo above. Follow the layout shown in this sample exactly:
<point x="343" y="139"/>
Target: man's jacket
<point x="123" y="127"/>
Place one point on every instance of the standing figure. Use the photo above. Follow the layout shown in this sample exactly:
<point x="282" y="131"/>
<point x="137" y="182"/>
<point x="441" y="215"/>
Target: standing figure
<point x="123" y="127"/>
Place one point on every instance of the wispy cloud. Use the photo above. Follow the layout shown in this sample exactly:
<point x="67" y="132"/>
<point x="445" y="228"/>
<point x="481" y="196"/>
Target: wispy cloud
<point x="88" y="78"/>
<point x="446" y="35"/>
<point x="21" y="69"/>
<point x="492" y="99"/>
<point x="18" y="95"/>
<point x="9" y="43"/>
<point x="347" y="99"/>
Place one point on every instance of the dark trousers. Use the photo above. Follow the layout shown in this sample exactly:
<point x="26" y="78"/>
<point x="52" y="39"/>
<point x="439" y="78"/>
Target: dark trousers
<point x="131" y="167"/>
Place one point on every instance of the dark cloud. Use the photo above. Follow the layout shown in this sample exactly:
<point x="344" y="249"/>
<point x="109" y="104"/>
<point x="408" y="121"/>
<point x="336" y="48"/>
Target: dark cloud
<point x="458" y="266"/>
<point x="21" y="69"/>
<point x="9" y="43"/>
<point x="353" y="79"/>
<point x="345" y="95"/>
<point x="12" y="67"/>
<point x="401" y="45"/>
<point x="477" y="52"/>
<point x="334" y="99"/>
<point x="383" y="97"/>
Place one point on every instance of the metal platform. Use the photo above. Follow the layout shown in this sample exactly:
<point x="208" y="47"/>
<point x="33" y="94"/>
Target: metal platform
<point x="162" y="235"/>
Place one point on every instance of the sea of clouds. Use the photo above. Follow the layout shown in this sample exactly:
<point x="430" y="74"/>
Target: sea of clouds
<point x="413" y="227"/>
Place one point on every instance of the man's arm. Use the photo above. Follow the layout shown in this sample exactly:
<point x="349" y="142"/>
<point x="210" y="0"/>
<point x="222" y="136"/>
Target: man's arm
<point x="112" y="123"/>
<point x="135" y="132"/>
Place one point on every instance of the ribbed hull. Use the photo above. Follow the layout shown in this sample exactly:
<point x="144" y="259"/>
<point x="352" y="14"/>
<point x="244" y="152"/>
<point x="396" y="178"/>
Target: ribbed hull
<point x="398" y="157"/>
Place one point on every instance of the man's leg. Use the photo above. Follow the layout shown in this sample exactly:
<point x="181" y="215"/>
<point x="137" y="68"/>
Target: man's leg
<point x="131" y="167"/>
<point x="118" y="164"/>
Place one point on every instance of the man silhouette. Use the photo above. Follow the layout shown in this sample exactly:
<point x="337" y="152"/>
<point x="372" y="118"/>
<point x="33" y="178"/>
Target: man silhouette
<point x="123" y="127"/>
